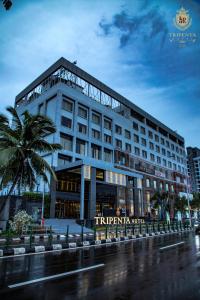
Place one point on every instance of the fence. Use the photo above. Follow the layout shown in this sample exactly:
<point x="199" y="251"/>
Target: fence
<point x="36" y="235"/>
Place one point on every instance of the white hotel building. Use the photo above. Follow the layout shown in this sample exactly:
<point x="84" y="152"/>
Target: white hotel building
<point x="115" y="155"/>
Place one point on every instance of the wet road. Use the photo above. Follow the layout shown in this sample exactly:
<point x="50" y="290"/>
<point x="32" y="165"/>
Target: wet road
<point x="132" y="270"/>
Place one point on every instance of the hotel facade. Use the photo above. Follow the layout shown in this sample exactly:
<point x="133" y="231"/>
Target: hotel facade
<point x="114" y="156"/>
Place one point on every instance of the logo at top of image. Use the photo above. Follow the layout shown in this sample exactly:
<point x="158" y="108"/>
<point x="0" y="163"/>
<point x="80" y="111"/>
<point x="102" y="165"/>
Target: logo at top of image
<point x="182" y="20"/>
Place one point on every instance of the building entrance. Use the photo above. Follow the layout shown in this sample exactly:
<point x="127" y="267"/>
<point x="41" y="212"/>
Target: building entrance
<point x="67" y="209"/>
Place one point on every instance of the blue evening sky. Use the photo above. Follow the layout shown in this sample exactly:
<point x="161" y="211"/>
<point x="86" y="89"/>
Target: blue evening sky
<point x="125" y="44"/>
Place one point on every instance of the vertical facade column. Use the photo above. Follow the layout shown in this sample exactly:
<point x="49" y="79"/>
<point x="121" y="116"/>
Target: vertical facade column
<point x="82" y="195"/>
<point x="53" y="198"/>
<point x="92" y="195"/>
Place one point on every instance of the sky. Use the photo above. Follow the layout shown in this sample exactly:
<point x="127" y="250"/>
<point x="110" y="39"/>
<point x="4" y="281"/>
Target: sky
<point x="124" y="43"/>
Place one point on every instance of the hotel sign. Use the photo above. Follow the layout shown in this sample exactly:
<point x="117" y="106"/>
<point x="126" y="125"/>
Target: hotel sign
<point x="117" y="221"/>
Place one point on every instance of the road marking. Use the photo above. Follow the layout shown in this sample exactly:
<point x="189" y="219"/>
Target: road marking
<point x="173" y="245"/>
<point x="55" y="276"/>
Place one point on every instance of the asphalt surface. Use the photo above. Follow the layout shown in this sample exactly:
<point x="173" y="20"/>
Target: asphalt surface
<point x="129" y="270"/>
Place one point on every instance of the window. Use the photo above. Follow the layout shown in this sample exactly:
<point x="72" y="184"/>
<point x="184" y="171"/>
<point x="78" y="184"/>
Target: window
<point x="169" y="164"/>
<point x="96" y="151"/>
<point x="82" y="128"/>
<point x="107" y="124"/>
<point x="157" y="149"/>
<point x="162" y="141"/>
<point x="152" y="157"/>
<point x="177" y="149"/>
<point x="161" y="185"/>
<point x="137" y="151"/>
<point x="66" y="141"/>
<point x="172" y="147"/>
<point x="151" y="145"/>
<point x="144" y="154"/>
<point x="168" y="154"/>
<point x="150" y="134"/>
<point x="155" y="184"/>
<point x="142" y="130"/>
<point x="135" y="126"/>
<point x="156" y="138"/>
<point x="136" y="138"/>
<point x="63" y="159"/>
<point x="174" y="167"/>
<point x="172" y="188"/>
<point x="96" y="134"/>
<point x="167" y="144"/>
<point x="118" y="129"/>
<point x="96" y="119"/>
<point x="163" y="151"/>
<point x="107" y="139"/>
<point x="164" y="162"/>
<point x="118" y="143"/>
<point x="143" y="142"/>
<point x="167" y="187"/>
<point x="127" y="134"/>
<point x="82" y="112"/>
<point x="67" y="105"/>
<point x="158" y="160"/>
<point x="80" y="147"/>
<point x="107" y="155"/>
<point x="128" y="147"/>
<point x="147" y="182"/>
<point x="66" y="122"/>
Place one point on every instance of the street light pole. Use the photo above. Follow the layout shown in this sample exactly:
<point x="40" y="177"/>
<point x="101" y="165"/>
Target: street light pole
<point x="42" y="212"/>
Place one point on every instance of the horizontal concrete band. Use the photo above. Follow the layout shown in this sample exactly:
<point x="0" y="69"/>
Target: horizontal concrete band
<point x="74" y="245"/>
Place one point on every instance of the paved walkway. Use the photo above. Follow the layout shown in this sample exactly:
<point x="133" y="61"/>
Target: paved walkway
<point x="60" y="226"/>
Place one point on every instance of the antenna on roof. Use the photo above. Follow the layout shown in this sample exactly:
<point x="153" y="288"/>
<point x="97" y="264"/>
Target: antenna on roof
<point x="75" y="62"/>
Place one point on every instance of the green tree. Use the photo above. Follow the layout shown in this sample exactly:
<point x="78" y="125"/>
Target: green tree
<point x="180" y="204"/>
<point x="195" y="203"/>
<point x="22" y="145"/>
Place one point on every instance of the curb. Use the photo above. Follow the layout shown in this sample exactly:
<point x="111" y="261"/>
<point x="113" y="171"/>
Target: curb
<point x="84" y="244"/>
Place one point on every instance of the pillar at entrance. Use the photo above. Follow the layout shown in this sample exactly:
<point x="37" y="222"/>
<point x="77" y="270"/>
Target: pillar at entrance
<point x="53" y="197"/>
<point x="82" y="194"/>
<point x="92" y="195"/>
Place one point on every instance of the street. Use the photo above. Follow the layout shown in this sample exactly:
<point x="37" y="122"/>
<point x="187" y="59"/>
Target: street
<point x="130" y="270"/>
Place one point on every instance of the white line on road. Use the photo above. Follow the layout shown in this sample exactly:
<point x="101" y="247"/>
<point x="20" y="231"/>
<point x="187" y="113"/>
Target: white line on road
<point x="55" y="276"/>
<point x="173" y="245"/>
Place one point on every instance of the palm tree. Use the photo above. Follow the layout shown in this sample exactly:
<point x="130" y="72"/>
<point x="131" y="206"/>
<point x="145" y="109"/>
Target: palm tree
<point x="22" y="145"/>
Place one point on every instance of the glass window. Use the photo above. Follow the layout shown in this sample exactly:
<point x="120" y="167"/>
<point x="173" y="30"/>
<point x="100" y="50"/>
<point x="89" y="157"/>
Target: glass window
<point x="164" y="162"/>
<point x="67" y="105"/>
<point x="150" y="134"/>
<point x="142" y="130"/>
<point x="107" y="155"/>
<point x="118" y="129"/>
<point x="66" y="122"/>
<point x="152" y="157"/>
<point x="157" y="149"/>
<point x="66" y="141"/>
<point x="96" y="151"/>
<point x="63" y="159"/>
<point x="82" y="128"/>
<point x="155" y="184"/>
<point x="118" y="143"/>
<point x="167" y="144"/>
<point x="137" y="151"/>
<point x="147" y="182"/>
<point x="80" y="147"/>
<point x="169" y="164"/>
<point x="127" y="134"/>
<point x="151" y="145"/>
<point x="136" y="138"/>
<point x="96" y="134"/>
<point x="162" y="141"/>
<point x="82" y="112"/>
<point x="128" y="147"/>
<point x="107" y="124"/>
<point x="163" y="151"/>
<point x="96" y="118"/>
<point x="158" y="160"/>
<point x="172" y="146"/>
<point x="107" y="139"/>
<point x="156" y="138"/>
<point x="167" y="187"/>
<point x="144" y="154"/>
<point x="143" y="142"/>
<point x="135" y="126"/>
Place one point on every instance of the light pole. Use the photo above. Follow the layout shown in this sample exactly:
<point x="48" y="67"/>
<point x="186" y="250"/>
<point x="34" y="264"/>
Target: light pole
<point x="42" y="211"/>
<point x="188" y="201"/>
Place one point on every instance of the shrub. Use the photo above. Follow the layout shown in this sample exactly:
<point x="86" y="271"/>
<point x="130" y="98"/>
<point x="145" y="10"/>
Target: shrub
<point x="19" y="221"/>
